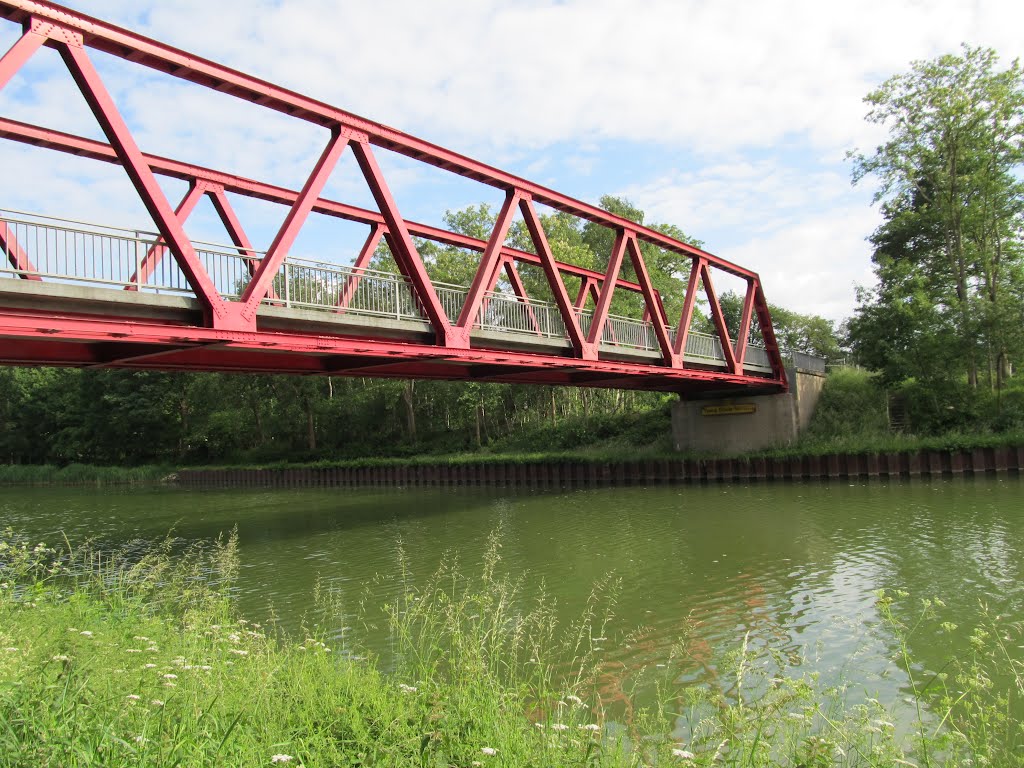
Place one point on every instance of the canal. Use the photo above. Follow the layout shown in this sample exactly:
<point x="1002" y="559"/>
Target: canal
<point x="793" y="568"/>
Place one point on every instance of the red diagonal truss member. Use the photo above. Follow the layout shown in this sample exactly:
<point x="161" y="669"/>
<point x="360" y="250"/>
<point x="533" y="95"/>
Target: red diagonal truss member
<point x="360" y="265"/>
<point x="227" y="216"/>
<point x="71" y="33"/>
<point x="196" y="190"/>
<point x="507" y="262"/>
<point x="156" y="252"/>
<point x="16" y="255"/>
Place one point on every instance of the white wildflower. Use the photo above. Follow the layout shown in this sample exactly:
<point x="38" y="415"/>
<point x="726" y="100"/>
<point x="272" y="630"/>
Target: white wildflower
<point x="234" y="638"/>
<point x="238" y="652"/>
<point x="85" y="633"/>
<point x="170" y="676"/>
<point x="406" y="688"/>
<point x="141" y="638"/>
<point x="141" y="739"/>
<point x="11" y="649"/>
<point x="132" y="650"/>
<point x="281" y="758"/>
<point x="133" y="697"/>
<point x="61" y="657"/>
<point x="149" y="666"/>
<point x="575" y="700"/>
<point x="683" y="754"/>
<point x="490" y="751"/>
<point x="156" y="703"/>
<point x="559" y="727"/>
<point x="592" y="727"/>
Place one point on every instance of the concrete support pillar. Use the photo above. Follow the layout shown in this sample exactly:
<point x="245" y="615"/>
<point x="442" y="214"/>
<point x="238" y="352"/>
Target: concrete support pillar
<point x="727" y="426"/>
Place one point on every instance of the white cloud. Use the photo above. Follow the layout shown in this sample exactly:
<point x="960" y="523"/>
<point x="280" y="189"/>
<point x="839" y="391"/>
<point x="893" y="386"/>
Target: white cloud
<point x="712" y="76"/>
<point x="812" y="265"/>
<point x="803" y="232"/>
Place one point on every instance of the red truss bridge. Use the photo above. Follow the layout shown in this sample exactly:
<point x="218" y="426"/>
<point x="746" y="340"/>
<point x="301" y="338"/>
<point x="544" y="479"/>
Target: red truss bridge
<point x="82" y="294"/>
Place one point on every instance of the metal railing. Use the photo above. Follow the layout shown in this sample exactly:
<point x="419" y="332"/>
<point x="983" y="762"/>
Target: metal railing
<point x="78" y="252"/>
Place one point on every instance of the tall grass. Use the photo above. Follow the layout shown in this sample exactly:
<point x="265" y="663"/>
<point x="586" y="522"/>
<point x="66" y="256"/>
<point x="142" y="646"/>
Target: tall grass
<point x="122" y="660"/>
<point x="79" y="474"/>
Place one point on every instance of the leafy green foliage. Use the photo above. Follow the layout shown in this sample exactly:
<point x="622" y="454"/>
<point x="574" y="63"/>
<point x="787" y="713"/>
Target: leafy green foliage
<point x="949" y="256"/>
<point x="851" y="405"/>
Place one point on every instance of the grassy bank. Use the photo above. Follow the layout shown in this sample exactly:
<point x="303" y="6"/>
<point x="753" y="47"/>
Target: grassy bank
<point x="80" y="474"/>
<point x="111" y="661"/>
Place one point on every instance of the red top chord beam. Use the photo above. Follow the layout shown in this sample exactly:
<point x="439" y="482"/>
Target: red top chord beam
<point x="138" y="49"/>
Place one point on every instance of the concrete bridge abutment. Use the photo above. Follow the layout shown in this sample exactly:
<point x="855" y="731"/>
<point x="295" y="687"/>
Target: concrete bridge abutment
<point x="727" y="426"/>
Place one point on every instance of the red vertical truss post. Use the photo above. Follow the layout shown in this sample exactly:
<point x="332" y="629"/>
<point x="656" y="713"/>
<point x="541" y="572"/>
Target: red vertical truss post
<point x="743" y="336"/>
<point x="147" y="266"/>
<point x="771" y="344"/>
<point x="402" y="245"/>
<point x="233" y="227"/>
<point x="263" y="279"/>
<point x="547" y="261"/>
<point x="16" y="254"/>
<point x="16" y="56"/>
<point x="604" y="299"/>
<point x="142" y="178"/>
<point x="686" y="316"/>
<point x="652" y="300"/>
<point x="488" y="269"/>
<point x="719" y="320"/>
<point x="359" y="266"/>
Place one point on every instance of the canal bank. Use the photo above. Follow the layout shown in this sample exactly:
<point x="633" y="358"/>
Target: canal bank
<point x="586" y="474"/>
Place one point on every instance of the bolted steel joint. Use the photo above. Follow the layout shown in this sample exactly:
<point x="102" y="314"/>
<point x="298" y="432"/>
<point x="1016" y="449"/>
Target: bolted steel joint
<point x="52" y="31"/>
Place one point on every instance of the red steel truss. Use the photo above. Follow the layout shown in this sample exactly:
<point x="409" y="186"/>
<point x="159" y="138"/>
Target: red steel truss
<point x="232" y="336"/>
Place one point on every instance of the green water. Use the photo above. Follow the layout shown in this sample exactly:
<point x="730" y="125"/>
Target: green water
<point x="793" y="568"/>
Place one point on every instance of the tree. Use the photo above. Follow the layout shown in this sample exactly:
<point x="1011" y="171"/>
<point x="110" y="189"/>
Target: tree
<point x="952" y="201"/>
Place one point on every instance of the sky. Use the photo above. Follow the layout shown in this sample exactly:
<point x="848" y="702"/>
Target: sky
<point x="731" y="120"/>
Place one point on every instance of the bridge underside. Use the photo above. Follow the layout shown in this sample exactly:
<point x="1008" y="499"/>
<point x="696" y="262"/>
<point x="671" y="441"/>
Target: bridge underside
<point x="159" y="334"/>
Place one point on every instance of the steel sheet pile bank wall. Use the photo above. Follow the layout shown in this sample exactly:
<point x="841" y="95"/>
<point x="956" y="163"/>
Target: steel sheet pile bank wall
<point x="576" y="474"/>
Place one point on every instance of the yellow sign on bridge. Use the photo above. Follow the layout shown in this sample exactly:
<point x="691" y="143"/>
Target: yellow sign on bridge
<point x="728" y="410"/>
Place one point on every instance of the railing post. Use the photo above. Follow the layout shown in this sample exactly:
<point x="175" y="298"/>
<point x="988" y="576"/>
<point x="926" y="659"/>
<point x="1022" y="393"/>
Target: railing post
<point x="138" y="261"/>
<point x="287" y="286"/>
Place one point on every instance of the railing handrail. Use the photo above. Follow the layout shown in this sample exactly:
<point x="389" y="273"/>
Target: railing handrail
<point x="138" y="235"/>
